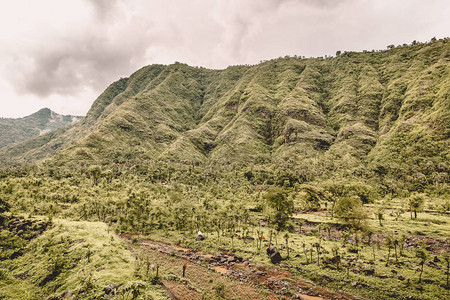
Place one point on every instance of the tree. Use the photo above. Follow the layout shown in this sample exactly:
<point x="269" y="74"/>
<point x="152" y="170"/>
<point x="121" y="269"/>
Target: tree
<point x="94" y="172"/>
<point x="389" y="243"/>
<point x="422" y="255"/>
<point x="447" y="261"/>
<point x="351" y="210"/>
<point x="338" y="52"/>
<point x="379" y="214"/>
<point x="395" y="242"/>
<point x="313" y="196"/>
<point x="416" y="202"/>
<point x="280" y="208"/>
<point x="286" y="237"/>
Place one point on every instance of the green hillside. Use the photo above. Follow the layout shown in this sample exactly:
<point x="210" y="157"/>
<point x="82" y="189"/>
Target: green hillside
<point x="383" y="114"/>
<point x="14" y="131"/>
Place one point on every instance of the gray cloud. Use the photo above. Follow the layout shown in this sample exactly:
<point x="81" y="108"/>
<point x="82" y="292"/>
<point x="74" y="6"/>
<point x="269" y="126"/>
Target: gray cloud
<point x="92" y="55"/>
<point x="68" y="65"/>
<point x="97" y="41"/>
<point x="103" y="8"/>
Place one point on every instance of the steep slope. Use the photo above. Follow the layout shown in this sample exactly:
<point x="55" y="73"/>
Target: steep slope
<point x="384" y="114"/>
<point x="13" y="131"/>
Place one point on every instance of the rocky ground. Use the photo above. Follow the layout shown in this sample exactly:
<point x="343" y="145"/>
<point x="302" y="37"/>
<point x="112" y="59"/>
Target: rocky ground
<point x="252" y="280"/>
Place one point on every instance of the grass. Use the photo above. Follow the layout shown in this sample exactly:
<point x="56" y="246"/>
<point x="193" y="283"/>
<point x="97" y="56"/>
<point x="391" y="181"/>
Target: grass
<point x="78" y="257"/>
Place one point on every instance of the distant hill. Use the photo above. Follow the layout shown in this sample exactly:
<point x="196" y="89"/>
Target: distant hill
<point x="13" y="131"/>
<point x="374" y="114"/>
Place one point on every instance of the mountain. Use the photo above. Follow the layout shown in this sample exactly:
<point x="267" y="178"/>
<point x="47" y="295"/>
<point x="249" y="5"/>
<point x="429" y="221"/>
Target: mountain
<point x="13" y="131"/>
<point x="373" y="114"/>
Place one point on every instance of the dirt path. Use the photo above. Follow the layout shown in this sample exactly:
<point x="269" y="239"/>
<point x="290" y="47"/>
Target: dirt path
<point x="226" y="275"/>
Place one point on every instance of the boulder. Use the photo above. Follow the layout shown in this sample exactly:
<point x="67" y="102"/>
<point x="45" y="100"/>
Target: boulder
<point x="200" y="237"/>
<point x="110" y="288"/>
<point x="369" y="272"/>
<point x="276" y="258"/>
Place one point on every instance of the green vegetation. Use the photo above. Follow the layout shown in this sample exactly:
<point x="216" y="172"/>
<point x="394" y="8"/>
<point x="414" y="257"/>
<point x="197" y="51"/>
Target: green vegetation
<point x="79" y="259"/>
<point x="326" y="159"/>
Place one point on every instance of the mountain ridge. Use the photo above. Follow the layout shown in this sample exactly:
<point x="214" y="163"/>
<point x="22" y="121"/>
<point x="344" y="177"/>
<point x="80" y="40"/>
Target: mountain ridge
<point x="17" y="130"/>
<point x="358" y="114"/>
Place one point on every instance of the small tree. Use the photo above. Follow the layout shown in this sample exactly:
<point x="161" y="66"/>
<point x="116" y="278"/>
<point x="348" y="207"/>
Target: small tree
<point x="447" y="261"/>
<point x="94" y="172"/>
<point x="380" y="216"/>
<point x="317" y="246"/>
<point x="422" y="255"/>
<point x="389" y="242"/>
<point x="398" y="213"/>
<point x="416" y="202"/>
<point x="395" y="242"/>
<point x="280" y="207"/>
<point x="286" y="237"/>
<point x="305" y="251"/>
<point x="336" y="254"/>
<point x="300" y="224"/>
<point x="351" y="210"/>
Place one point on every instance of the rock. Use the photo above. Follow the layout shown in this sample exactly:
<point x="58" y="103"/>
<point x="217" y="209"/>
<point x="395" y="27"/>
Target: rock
<point x="110" y="288"/>
<point x="276" y="258"/>
<point x="383" y="276"/>
<point x="369" y="272"/>
<point x="354" y="283"/>
<point x="400" y="277"/>
<point x="200" y="237"/>
<point x="63" y="295"/>
<point x="231" y="259"/>
<point x="260" y="273"/>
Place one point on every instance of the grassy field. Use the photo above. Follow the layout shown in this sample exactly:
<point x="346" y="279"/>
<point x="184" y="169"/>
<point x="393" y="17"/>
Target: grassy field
<point x="77" y="260"/>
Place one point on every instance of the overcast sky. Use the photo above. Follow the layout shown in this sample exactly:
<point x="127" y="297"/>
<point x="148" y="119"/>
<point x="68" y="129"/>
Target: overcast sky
<point x="63" y="54"/>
